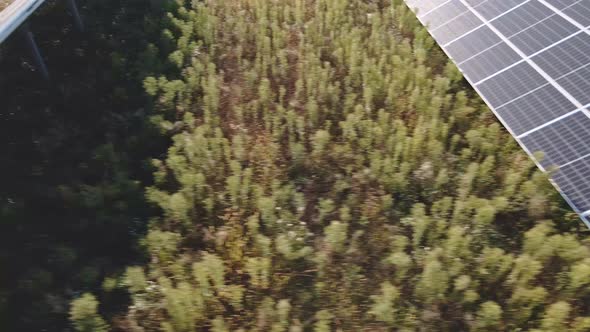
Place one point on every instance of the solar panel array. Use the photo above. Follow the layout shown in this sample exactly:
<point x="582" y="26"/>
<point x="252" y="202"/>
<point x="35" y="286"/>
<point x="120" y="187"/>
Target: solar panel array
<point x="530" y="62"/>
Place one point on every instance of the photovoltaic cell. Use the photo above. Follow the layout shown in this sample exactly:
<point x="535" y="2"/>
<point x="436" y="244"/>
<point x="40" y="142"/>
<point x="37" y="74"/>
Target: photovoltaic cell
<point x="578" y="84"/>
<point x="510" y="84"/>
<point x="474" y="3"/>
<point x="456" y="28"/>
<point x="493" y="8"/>
<point x="530" y="61"/>
<point x="572" y="180"/>
<point x="561" y="142"/>
<point x="489" y="62"/>
<point x="445" y="13"/>
<point x="424" y="6"/>
<point x="580" y="12"/>
<point x="534" y="109"/>
<point x="566" y="56"/>
<point x="522" y="18"/>
<point x="475" y="42"/>
<point x="543" y="34"/>
<point x="560" y="4"/>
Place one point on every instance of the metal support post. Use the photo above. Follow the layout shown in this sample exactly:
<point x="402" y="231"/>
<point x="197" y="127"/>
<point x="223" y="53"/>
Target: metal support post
<point x="30" y="38"/>
<point x="76" y="14"/>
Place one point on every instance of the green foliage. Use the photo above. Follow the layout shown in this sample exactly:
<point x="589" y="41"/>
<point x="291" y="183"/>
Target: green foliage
<point x="84" y="315"/>
<point x="72" y="205"/>
<point x="135" y="279"/>
<point x="384" y="306"/>
<point x="556" y="316"/>
<point x="323" y="319"/>
<point x="489" y="317"/>
<point x="328" y="170"/>
<point x="163" y="243"/>
<point x="336" y="235"/>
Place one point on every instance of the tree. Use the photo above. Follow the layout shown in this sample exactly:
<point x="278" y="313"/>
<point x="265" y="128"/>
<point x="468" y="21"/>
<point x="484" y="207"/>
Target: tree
<point x="84" y="315"/>
<point x="328" y="169"/>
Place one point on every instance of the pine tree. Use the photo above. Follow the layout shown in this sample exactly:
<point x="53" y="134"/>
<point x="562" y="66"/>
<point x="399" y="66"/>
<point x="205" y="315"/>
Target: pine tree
<point x="84" y="315"/>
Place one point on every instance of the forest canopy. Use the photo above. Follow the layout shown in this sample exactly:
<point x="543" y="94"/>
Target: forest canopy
<point x="329" y="169"/>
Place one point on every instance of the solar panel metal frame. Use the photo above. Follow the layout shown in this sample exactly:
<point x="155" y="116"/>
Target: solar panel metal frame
<point x="15" y="14"/>
<point x="554" y="64"/>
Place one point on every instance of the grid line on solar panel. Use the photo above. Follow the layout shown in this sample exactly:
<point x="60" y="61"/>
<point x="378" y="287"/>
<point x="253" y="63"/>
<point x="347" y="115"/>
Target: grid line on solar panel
<point x="445" y="13"/>
<point x="456" y="28"/>
<point x="572" y="181"/>
<point x="560" y="4"/>
<point x="580" y="12"/>
<point x="536" y="67"/>
<point x="548" y="123"/>
<point x="510" y="84"/>
<point x="493" y="8"/>
<point x="490" y="62"/>
<point x="479" y="53"/>
<point x="423" y="14"/>
<point x="568" y="55"/>
<point x="560" y="13"/>
<point x="470" y="31"/>
<point x="425" y="6"/>
<point x="523" y="30"/>
<point x="456" y="36"/>
<point x="577" y="83"/>
<point x="535" y="109"/>
<point x="472" y="44"/>
<point x="527" y="58"/>
<point x="576" y="160"/>
<point x="543" y="39"/>
<point x="514" y="30"/>
<point x="474" y="3"/>
<point x="561" y="142"/>
<point x="545" y="33"/>
<point x="454" y="20"/>
<point x="539" y="71"/>
<point x="522" y="18"/>
<point x="537" y="88"/>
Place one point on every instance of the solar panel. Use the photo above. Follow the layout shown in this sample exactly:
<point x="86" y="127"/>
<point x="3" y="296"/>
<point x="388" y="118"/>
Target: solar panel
<point x="530" y="62"/>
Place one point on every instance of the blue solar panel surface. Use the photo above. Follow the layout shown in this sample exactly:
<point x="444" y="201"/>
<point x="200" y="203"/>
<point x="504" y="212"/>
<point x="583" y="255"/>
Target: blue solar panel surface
<point x="530" y="62"/>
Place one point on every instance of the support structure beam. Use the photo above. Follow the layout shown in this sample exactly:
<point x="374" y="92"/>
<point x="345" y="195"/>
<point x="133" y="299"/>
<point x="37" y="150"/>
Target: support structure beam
<point x="76" y="13"/>
<point x="39" y="61"/>
<point x="17" y="13"/>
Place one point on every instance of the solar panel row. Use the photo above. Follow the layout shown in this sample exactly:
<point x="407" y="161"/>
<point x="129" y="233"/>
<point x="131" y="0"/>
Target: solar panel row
<point x="530" y="62"/>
